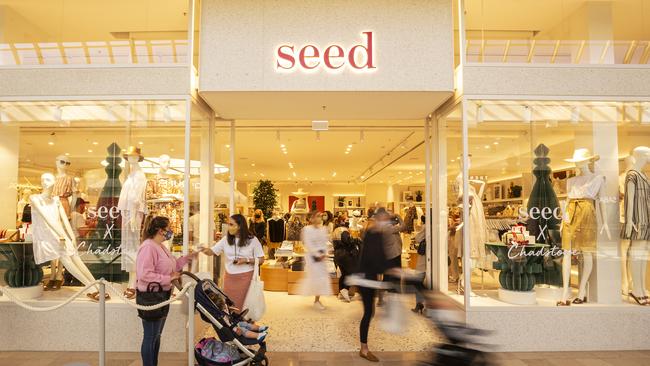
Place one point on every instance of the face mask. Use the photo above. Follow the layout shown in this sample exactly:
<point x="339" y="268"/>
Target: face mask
<point x="232" y="230"/>
<point x="257" y="216"/>
<point x="168" y="234"/>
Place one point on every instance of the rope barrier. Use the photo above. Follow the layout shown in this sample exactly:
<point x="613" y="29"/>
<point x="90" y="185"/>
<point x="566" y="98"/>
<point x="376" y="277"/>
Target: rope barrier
<point x="7" y="292"/>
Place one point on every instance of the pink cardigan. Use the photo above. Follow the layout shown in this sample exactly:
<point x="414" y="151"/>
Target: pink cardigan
<point x="155" y="264"/>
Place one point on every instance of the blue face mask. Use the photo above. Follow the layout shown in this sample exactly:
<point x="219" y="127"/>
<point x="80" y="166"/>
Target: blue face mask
<point x="169" y="234"/>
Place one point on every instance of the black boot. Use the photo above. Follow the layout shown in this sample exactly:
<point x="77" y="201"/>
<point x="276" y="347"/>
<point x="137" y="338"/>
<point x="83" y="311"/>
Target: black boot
<point x="419" y="308"/>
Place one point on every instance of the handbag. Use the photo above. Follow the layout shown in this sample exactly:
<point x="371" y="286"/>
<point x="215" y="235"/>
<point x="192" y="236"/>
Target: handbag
<point x="422" y="248"/>
<point x="255" y="296"/>
<point x="153" y="296"/>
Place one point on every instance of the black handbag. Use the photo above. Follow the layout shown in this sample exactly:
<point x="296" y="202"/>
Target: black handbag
<point x="153" y="296"/>
<point x="422" y="248"/>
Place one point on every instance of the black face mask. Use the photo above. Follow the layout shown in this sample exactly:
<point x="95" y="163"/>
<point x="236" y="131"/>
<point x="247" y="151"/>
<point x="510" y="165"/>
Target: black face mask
<point x="257" y="216"/>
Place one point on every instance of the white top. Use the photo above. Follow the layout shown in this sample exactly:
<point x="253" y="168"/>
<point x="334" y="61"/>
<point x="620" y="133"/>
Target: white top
<point x="132" y="196"/>
<point x="47" y="244"/>
<point x="315" y="239"/>
<point x="77" y="221"/>
<point x="585" y="186"/>
<point x="195" y="227"/>
<point x="232" y="252"/>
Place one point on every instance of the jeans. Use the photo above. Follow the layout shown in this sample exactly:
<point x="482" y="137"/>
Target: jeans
<point x="151" y="341"/>
<point x="368" y="297"/>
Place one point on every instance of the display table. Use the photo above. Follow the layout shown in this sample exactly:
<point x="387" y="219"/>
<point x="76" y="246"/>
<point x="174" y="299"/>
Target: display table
<point x="23" y="275"/>
<point x="518" y="266"/>
<point x="275" y="278"/>
<point x="294" y="278"/>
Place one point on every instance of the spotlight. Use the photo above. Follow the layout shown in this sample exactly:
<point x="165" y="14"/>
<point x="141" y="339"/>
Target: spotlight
<point x="479" y="113"/>
<point x="528" y="114"/>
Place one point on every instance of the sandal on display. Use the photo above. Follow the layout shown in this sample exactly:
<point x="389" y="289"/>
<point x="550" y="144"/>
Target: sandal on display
<point x="129" y="293"/>
<point x="57" y="285"/>
<point x="49" y="286"/>
<point x="563" y="303"/>
<point x="369" y="356"/>
<point x="643" y="300"/>
<point x="94" y="296"/>
<point x="579" y="301"/>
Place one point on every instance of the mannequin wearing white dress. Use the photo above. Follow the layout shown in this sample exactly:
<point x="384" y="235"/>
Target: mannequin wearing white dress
<point x="636" y="227"/>
<point x="585" y="186"/>
<point x="132" y="206"/>
<point x="52" y="233"/>
<point x="478" y="224"/>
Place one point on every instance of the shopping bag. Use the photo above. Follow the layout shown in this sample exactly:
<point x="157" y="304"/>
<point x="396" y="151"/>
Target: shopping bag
<point x="255" y="296"/>
<point x="394" y="318"/>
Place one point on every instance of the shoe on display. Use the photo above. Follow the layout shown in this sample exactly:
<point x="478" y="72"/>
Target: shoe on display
<point x="346" y="296"/>
<point x="318" y="305"/>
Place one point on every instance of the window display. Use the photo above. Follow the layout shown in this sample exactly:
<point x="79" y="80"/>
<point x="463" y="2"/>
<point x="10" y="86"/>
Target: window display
<point x="558" y="183"/>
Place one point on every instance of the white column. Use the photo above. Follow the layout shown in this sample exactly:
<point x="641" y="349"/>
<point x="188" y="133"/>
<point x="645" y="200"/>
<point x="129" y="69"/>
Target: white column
<point x="9" y="147"/>
<point x="430" y="278"/>
<point x="439" y="171"/>
<point x="206" y="194"/>
<point x="605" y="283"/>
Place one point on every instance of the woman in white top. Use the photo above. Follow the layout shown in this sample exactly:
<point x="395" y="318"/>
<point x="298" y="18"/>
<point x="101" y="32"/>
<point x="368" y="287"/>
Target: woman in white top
<point x="317" y="280"/>
<point x="240" y="248"/>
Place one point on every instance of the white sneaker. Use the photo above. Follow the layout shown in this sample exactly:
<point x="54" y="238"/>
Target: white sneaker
<point x="346" y="296"/>
<point x="318" y="305"/>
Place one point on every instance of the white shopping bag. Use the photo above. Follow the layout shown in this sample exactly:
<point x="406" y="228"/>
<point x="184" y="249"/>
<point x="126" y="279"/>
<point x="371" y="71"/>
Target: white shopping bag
<point x="394" y="318"/>
<point x="255" y="296"/>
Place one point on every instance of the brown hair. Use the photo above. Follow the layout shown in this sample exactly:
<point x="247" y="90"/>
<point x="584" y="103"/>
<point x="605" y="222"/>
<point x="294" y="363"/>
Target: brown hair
<point x="157" y="223"/>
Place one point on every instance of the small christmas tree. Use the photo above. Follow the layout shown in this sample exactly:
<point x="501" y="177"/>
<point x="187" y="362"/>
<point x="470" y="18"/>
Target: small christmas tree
<point x="108" y="228"/>
<point x="265" y="197"/>
<point x="545" y="228"/>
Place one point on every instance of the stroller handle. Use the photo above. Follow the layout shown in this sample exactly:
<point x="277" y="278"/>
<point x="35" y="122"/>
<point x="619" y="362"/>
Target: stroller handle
<point x="190" y="275"/>
<point x="178" y="283"/>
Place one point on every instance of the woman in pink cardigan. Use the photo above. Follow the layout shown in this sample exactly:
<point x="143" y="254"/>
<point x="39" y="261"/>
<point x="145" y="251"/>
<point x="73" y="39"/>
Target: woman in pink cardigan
<point x="155" y="263"/>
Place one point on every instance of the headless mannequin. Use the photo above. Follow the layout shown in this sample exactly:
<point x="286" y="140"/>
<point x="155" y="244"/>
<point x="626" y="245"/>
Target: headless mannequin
<point x="60" y="227"/>
<point x="20" y="206"/>
<point x="473" y="183"/>
<point x="625" y="243"/>
<point x="132" y="212"/>
<point x="638" y="253"/>
<point x="587" y="257"/>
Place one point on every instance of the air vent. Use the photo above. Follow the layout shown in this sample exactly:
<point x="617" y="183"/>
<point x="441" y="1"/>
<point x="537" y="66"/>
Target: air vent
<point x="320" y="125"/>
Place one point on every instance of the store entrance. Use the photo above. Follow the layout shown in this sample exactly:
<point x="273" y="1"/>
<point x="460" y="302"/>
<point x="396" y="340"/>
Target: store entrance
<point x="345" y="170"/>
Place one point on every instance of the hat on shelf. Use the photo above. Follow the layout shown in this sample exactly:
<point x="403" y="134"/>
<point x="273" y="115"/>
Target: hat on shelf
<point x="580" y="155"/>
<point x="134" y="151"/>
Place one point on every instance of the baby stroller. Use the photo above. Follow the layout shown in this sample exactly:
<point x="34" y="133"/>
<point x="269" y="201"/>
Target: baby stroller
<point x="204" y="293"/>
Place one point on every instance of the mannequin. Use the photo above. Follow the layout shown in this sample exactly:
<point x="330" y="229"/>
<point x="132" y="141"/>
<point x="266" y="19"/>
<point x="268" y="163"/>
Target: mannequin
<point x="276" y="231"/>
<point x="299" y="205"/>
<point x="53" y="235"/>
<point x="636" y="226"/>
<point x="579" y="227"/>
<point x="478" y="224"/>
<point x="24" y="200"/>
<point x="625" y="243"/>
<point x="163" y="161"/>
<point x="132" y="206"/>
<point x="64" y="185"/>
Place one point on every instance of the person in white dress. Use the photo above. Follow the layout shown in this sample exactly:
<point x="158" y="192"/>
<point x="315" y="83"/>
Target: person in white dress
<point x="316" y="281"/>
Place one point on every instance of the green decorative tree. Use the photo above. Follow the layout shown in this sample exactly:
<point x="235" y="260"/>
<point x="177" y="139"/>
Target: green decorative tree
<point x="265" y="197"/>
<point x="545" y="228"/>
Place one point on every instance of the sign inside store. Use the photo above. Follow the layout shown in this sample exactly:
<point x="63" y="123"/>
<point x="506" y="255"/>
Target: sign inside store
<point x="359" y="57"/>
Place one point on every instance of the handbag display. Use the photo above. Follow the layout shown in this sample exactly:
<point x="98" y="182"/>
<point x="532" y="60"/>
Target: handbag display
<point x="255" y="296"/>
<point x="153" y="296"/>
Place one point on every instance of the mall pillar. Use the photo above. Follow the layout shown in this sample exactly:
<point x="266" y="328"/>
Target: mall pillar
<point x="9" y="148"/>
<point x="605" y="284"/>
<point x="206" y="213"/>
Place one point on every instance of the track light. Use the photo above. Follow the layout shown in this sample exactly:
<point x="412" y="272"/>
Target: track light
<point x="167" y="113"/>
<point x="479" y="113"/>
<point x="58" y="114"/>
<point x="528" y="114"/>
<point x="575" y="114"/>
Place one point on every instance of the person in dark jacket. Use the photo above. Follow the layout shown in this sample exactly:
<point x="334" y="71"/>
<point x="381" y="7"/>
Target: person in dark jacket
<point x="371" y="264"/>
<point x="346" y="258"/>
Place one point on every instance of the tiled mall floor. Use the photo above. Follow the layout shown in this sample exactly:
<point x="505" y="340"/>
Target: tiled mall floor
<point x="631" y="358"/>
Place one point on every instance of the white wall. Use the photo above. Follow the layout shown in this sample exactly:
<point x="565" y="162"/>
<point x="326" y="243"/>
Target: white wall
<point x="9" y="148"/>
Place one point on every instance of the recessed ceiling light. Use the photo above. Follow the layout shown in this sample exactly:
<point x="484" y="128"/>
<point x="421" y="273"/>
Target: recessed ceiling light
<point x="172" y="149"/>
<point x="294" y="174"/>
<point x="252" y="164"/>
<point x="487" y="146"/>
<point x="347" y="152"/>
<point x="245" y="175"/>
<point x="227" y="146"/>
<point x="284" y="152"/>
<point x="262" y="174"/>
<point x="334" y="174"/>
<point x="290" y="165"/>
<point x="350" y="146"/>
<point x="140" y="143"/>
<point x="495" y="143"/>
<point x="95" y="143"/>
<point x="282" y="146"/>
<point x="90" y="151"/>
<point x="67" y="154"/>
<point x="50" y="143"/>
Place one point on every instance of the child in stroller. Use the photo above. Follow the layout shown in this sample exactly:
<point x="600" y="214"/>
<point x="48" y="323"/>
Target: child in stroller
<point x="242" y="328"/>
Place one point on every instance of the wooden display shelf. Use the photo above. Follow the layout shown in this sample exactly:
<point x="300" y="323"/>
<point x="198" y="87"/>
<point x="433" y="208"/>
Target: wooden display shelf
<point x="275" y="278"/>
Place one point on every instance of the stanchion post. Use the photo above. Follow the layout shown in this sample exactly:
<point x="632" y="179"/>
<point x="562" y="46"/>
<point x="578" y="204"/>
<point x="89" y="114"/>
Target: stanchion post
<point x="190" y="326"/>
<point x="102" y="323"/>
